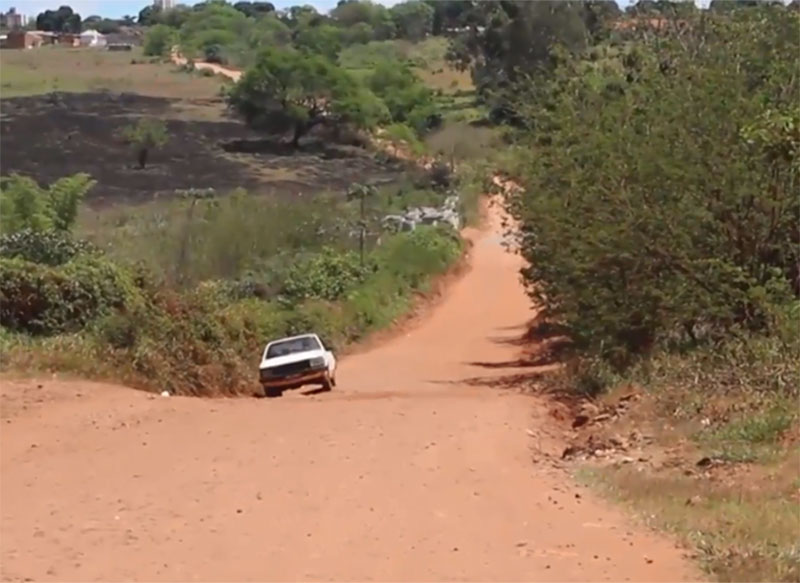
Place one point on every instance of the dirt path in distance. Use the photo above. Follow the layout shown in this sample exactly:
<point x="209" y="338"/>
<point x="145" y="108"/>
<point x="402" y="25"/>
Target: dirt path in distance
<point x="416" y="468"/>
<point x="232" y="74"/>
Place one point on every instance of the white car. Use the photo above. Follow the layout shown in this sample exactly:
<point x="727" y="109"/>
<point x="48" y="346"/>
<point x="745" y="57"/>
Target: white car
<point x="292" y="362"/>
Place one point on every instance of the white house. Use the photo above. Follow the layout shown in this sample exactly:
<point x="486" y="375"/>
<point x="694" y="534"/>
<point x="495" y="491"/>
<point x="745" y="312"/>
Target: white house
<point x="92" y="38"/>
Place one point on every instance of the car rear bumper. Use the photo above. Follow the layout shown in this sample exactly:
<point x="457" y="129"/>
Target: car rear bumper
<point x="316" y="376"/>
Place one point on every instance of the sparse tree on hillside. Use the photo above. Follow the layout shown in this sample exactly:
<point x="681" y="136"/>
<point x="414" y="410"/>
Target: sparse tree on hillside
<point x="146" y="135"/>
<point x="302" y="91"/>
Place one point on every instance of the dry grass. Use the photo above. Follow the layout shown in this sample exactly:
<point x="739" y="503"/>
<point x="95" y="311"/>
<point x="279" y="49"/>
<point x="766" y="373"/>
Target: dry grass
<point x="445" y="79"/>
<point x="48" y="69"/>
<point x="744" y="523"/>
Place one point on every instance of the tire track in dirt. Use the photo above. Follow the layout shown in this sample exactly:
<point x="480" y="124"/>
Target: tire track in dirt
<point x="417" y="468"/>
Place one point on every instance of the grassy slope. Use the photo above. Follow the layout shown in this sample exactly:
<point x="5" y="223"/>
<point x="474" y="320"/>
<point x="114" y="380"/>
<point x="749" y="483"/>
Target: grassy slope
<point x="221" y="244"/>
<point x="37" y="71"/>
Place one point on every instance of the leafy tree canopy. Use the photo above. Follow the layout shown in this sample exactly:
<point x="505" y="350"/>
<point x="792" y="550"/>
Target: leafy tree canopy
<point x="61" y="20"/>
<point x="254" y="9"/>
<point x="408" y="99"/>
<point x="413" y="19"/>
<point x="299" y="90"/>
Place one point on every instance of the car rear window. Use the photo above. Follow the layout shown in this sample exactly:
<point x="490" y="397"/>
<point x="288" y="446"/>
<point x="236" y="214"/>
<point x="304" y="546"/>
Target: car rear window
<point x="293" y="345"/>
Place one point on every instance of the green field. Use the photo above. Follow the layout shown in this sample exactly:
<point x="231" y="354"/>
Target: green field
<point x="426" y="57"/>
<point x="49" y="69"/>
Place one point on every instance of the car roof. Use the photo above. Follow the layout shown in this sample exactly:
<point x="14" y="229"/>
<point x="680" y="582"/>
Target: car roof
<point x="292" y="338"/>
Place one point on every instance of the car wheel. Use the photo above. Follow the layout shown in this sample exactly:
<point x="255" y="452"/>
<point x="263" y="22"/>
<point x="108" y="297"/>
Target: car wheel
<point x="333" y="380"/>
<point x="272" y="392"/>
<point x="327" y="383"/>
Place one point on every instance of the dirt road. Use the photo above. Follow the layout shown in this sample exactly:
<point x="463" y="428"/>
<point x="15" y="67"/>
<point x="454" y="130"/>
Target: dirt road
<point x="417" y="468"/>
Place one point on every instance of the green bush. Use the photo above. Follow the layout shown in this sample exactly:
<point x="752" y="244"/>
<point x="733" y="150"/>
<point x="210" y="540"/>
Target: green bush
<point x="158" y="40"/>
<point x="326" y="275"/>
<point x="411" y="257"/>
<point x="41" y="299"/>
<point x="47" y="247"/>
<point x="26" y="205"/>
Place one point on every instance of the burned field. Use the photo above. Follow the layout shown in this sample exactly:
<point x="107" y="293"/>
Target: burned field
<point x="58" y="134"/>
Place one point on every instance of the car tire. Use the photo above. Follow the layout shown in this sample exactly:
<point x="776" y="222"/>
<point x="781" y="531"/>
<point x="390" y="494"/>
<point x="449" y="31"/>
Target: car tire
<point x="327" y="383"/>
<point x="273" y="392"/>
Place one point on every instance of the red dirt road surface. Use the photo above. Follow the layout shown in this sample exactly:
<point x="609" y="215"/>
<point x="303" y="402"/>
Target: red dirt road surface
<point x="418" y="467"/>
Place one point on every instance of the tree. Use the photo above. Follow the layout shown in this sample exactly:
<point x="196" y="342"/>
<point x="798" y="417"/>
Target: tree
<point x="298" y="91"/>
<point x="158" y="40"/>
<point x="358" y="14"/>
<point x="61" y="20"/>
<point x="517" y="41"/>
<point x="149" y="15"/>
<point x="636" y="245"/>
<point x="254" y="9"/>
<point x="358" y="34"/>
<point x="145" y="135"/>
<point x="449" y="14"/>
<point x="305" y="14"/>
<point x="214" y="24"/>
<point x="175" y="16"/>
<point x="727" y="5"/>
<point x="24" y="205"/>
<point x="414" y="19"/>
<point x="268" y="31"/>
<point x="325" y="40"/>
<point x="407" y="98"/>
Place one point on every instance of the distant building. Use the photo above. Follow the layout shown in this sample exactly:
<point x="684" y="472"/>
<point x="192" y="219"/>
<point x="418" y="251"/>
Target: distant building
<point x="92" y="38"/>
<point x="164" y="4"/>
<point x="12" y="19"/>
<point x="28" y="39"/>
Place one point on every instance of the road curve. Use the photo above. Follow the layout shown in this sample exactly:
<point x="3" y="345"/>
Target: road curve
<point x="418" y="467"/>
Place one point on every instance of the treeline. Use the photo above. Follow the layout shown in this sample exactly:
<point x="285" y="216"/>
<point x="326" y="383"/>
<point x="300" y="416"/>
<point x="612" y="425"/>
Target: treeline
<point x="65" y="19"/>
<point x="222" y="32"/>
<point x="293" y="80"/>
<point x="661" y="206"/>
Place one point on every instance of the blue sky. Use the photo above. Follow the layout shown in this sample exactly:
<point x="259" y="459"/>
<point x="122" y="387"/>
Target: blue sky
<point x="119" y="8"/>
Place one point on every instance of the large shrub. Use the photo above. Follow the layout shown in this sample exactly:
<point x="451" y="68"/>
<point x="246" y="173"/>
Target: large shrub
<point x="326" y="275"/>
<point x="47" y="247"/>
<point x="661" y="205"/>
<point x="42" y="299"/>
<point x="26" y="205"/>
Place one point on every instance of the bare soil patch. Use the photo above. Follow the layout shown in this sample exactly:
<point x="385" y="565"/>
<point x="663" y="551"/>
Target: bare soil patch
<point x="407" y="471"/>
<point x="50" y="136"/>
